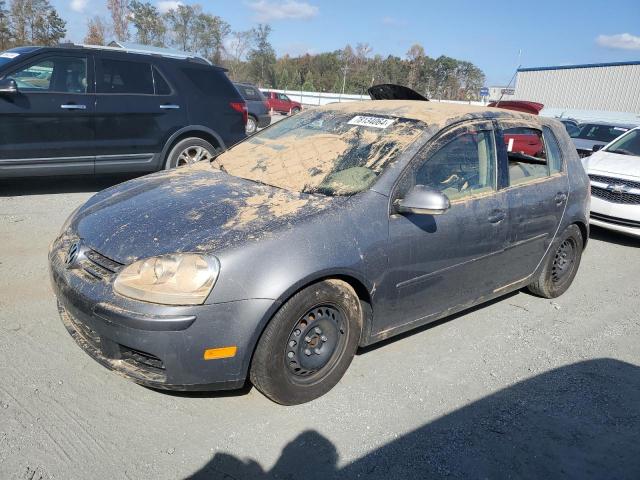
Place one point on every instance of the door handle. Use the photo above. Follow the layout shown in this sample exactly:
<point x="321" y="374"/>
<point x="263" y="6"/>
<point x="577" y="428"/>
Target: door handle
<point x="560" y="198"/>
<point x="72" y="106"/>
<point x="169" y="106"/>
<point x="497" y="216"/>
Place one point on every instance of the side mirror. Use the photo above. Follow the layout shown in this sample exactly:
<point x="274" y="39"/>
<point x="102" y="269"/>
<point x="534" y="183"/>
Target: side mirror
<point x="595" y="148"/>
<point x="8" y="85"/>
<point x="423" y="200"/>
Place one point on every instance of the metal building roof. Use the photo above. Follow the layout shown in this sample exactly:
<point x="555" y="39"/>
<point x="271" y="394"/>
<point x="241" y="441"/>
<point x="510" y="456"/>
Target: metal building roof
<point x="583" y="65"/>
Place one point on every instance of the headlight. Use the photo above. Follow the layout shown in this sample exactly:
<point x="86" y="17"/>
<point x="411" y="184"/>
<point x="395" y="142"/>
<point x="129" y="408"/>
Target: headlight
<point x="179" y="279"/>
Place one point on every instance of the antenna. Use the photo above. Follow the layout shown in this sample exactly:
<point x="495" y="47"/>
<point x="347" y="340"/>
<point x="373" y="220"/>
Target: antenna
<point x="512" y="79"/>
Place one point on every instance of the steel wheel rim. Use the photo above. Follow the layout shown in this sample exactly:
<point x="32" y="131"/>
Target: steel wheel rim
<point x="315" y="343"/>
<point x="192" y="155"/>
<point x="563" y="261"/>
<point x="251" y="125"/>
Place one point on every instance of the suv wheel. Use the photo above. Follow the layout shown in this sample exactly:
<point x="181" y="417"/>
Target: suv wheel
<point x="252" y="125"/>
<point x="561" y="265"/>
<point x="308" y="345"/>
<point x="295" y="110"/>
<point x="188" y="151"/>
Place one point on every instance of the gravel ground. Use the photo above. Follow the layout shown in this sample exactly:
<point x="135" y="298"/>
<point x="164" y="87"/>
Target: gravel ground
<point x="520" y="388"/>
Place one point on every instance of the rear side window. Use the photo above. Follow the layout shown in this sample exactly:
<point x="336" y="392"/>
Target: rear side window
<point x="527" y="154"/>
<point x="211" y="81"/>
<point x="122" y="76"/>
<point x="553" y="151"/>
<point x="161" y="85"/>
<point x="249" y="93"/>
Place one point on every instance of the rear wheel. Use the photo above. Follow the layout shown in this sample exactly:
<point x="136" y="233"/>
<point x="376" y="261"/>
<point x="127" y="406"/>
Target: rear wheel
<point x="561" y="264"/>
<point x="309" y="344"/>
<point x="252" y="125"/>
<point x="188" y="151"/>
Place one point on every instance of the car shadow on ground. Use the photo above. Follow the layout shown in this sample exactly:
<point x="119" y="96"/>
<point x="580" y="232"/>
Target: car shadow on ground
<point x="602" y="234"/>
<point x="68" y="184"/>
<point x="579" y="421"/>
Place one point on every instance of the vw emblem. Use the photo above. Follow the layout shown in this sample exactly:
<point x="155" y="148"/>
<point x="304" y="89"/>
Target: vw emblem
<point x="72" y="253"/>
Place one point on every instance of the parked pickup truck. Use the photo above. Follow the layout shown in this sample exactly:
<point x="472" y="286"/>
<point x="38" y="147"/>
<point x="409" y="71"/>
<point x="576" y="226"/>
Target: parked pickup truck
<point x="280" y="103"/>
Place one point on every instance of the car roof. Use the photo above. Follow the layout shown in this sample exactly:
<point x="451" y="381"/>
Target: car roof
<point x="427" y="112"/>
<point x="609" y="124"/>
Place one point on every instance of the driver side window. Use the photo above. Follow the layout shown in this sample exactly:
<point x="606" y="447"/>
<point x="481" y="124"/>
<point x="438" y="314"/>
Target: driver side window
<point x="465" y="165"/>
<point x="53" y="74"/>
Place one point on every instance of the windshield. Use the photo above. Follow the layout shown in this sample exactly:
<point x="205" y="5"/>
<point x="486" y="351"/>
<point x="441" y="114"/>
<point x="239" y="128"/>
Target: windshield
<point x="11" y="55"/>
<point x="321" y="151"/>
<point x="628" y="144"/>
<point x="599" y="133"/>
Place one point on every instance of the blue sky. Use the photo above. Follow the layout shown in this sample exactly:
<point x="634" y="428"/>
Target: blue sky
<point x="489" y="33"/>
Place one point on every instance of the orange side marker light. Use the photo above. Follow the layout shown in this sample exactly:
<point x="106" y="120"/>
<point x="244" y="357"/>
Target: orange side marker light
<point x="222" y="352"/>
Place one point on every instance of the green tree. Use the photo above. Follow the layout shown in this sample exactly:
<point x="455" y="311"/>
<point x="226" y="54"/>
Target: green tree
<point x="35" y="22"/>
<point x="181" y="22"/>
<point x="262" y="57"/>
<point x="149" y="24"/>
<point x="209" y="35"/>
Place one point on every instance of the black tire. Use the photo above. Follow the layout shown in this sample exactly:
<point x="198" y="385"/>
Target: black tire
<point x="252" y="125"/>
<point x="189" y="150"/>
<point x="561" y="264"/>
<point x="295" y="110"/>
<point x="325" y="317"/>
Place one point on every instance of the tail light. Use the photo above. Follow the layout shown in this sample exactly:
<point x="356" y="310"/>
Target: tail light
<point x="242" y="108"/>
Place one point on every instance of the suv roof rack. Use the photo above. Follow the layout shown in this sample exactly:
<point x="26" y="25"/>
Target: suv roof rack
<point x="142" y="49"/>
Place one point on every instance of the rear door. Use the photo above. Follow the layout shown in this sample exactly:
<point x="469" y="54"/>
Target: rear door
<point x="137" y="109"/>
<point x="537" y="191"/>
<point x="47" y="127"/>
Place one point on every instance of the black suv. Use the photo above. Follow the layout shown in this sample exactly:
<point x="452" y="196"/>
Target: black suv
<point x="81" y="109"/>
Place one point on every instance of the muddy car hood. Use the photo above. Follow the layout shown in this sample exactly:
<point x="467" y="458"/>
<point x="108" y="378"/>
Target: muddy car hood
<point x="189" y="209"/>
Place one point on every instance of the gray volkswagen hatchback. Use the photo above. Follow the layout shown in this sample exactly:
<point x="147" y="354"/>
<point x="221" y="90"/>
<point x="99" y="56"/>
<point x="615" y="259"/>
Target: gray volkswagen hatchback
<point x="333" y="229"/>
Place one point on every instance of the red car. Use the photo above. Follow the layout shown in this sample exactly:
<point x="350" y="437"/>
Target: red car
<point x="280" y="103"/>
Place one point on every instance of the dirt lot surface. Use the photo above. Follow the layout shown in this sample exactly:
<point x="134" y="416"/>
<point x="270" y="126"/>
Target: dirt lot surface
<point x="520" y="388"/>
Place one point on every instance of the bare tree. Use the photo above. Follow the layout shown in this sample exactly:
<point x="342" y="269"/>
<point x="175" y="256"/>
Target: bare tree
<point x="181" y="22"/>
<point x="96" y="31"/>
<point x="119" y="10"/>
<point x="237" y="49"/>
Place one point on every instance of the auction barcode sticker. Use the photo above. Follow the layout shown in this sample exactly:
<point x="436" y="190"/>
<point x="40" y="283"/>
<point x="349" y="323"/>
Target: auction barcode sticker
<point x="375" y="122"/>
<point x="9" y="55"/>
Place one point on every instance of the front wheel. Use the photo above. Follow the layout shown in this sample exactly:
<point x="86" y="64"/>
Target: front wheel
<point x="295" y="110"/>
<point x="188" y="151"/>
<point x="308" y="344"/>
<point x="561" y="265"/>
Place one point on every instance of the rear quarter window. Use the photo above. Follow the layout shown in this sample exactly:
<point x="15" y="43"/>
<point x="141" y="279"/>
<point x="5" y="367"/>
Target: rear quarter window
<point x="211" y="82"/>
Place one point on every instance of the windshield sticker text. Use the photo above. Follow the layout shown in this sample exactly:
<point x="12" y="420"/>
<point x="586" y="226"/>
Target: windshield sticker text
<point x="375" y="122"/>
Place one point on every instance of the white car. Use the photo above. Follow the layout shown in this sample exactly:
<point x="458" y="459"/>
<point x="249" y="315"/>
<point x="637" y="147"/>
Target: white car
<point x="614" y="172"/>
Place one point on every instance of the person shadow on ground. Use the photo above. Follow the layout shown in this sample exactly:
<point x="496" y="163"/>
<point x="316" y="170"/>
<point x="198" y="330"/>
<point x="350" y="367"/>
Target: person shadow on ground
<point x="579" y="421"/>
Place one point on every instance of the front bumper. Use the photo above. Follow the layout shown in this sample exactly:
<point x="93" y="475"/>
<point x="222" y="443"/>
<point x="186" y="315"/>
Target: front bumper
<point x="615" y="216"/>
<point x="156" y="345"/>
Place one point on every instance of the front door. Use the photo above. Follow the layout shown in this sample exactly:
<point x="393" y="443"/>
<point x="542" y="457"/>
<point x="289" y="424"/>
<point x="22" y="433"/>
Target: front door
<point x="47" y="127"/>
<point x="136" y="111"/>
<point x="440" y="262"/>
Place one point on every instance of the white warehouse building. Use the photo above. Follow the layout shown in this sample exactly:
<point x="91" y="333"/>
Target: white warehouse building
<point x="609" y="87"/>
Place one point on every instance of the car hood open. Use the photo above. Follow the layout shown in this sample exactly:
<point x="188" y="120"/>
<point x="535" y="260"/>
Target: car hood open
<point x="190" y="209"/>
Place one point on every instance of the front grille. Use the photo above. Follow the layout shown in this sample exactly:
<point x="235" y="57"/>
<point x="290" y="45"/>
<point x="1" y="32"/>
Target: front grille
<point x="615" y="220"/>
<point x="604" y="189"/>
<point x="98" y="265"/>
<point x="614" y="197"/>
<point x="613" y="180"/>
